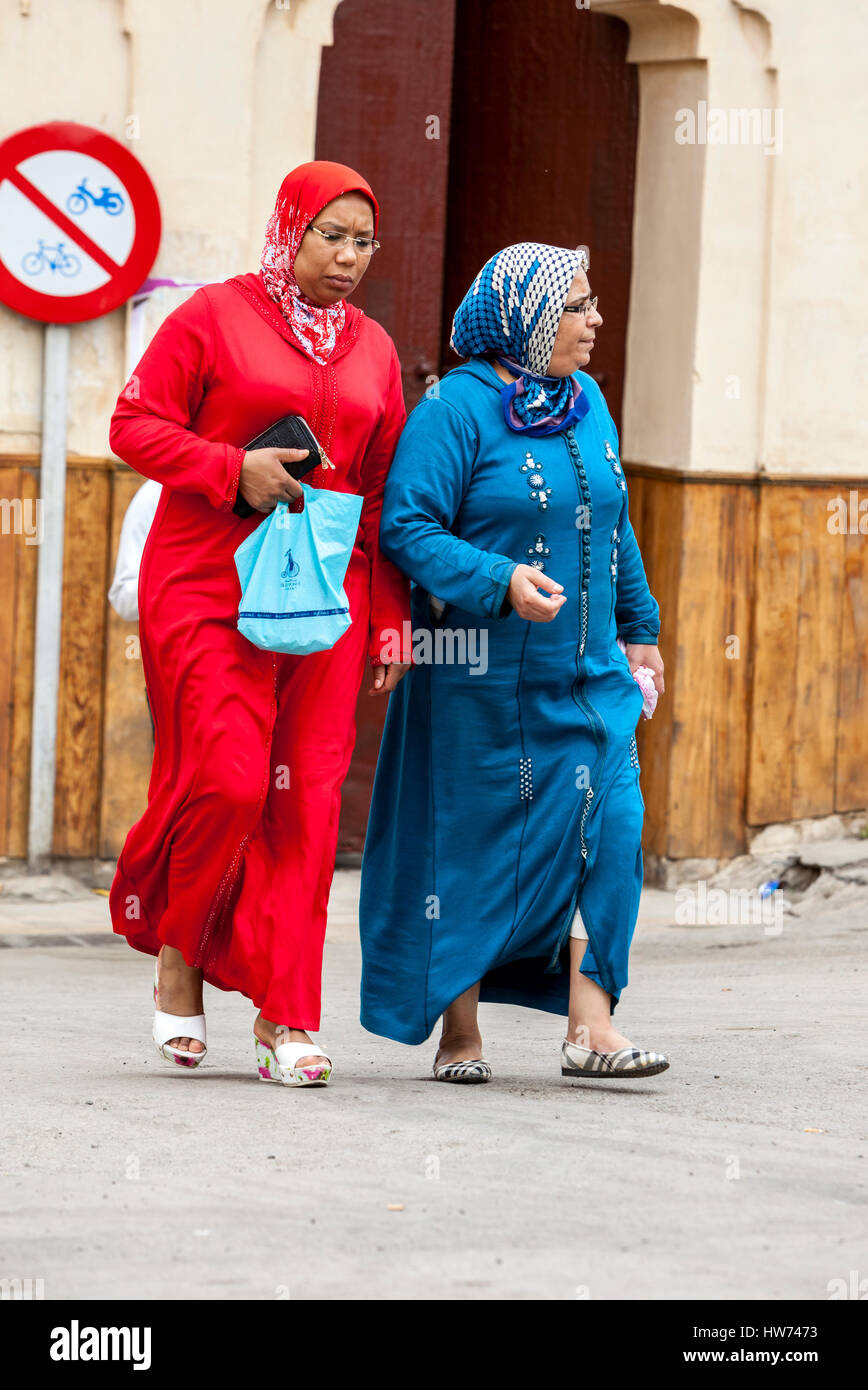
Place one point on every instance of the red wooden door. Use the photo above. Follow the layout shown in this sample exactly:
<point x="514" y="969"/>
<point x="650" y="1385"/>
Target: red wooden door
<point x="384" y="100"/>
<point x="545" y="112"/>
<point x="477" y="125"/>
<point x="387" y="75"/>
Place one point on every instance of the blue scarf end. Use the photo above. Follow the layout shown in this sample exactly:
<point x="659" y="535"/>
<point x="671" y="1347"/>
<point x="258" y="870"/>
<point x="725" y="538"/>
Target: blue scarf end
<point x="540" y="405"/>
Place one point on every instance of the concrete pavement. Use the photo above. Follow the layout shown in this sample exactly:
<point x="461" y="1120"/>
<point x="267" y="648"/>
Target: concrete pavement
<point x="740" y="1173"/>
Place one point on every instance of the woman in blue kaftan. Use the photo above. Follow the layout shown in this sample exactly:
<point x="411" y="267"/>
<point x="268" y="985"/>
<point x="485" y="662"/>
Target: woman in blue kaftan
<point x="503" y="859"/>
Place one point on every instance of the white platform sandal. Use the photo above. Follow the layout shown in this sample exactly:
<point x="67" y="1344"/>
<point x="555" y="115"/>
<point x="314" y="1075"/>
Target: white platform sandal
<point x="168" y="1026"/>
<point x="281" y="1064"/>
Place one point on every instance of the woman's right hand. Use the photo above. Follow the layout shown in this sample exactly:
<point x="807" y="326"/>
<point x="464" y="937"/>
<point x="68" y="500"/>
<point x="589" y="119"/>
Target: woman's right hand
<point x="264" y="481"/>
<point x="527" y="601"/>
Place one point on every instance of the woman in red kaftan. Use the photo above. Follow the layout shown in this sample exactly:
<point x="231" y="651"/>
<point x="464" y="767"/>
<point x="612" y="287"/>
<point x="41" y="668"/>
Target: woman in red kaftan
<point x="226" y="876"/>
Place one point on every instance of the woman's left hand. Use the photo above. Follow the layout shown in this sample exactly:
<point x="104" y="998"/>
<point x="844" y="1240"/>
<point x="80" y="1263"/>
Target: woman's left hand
<point x="639" y="655"/>
<point x="387" y="677"/>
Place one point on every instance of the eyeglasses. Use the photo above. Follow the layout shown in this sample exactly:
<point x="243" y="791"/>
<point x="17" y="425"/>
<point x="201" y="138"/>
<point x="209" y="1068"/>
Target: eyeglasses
<point x="584" y="308"/>
<point x="366" y="246"/>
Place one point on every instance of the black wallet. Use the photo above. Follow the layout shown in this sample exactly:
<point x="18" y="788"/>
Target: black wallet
<point x="290" y="432"/>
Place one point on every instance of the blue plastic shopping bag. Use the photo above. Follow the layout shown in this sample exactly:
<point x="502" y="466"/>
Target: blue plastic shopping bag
<point x="292" y="570"/>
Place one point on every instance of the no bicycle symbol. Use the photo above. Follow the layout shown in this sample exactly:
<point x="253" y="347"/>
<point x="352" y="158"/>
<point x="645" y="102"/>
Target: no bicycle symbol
<point x="79" y="223"/>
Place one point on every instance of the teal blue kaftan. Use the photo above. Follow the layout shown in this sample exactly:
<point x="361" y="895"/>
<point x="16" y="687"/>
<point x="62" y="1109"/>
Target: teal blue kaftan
<point x="507" y="789"/>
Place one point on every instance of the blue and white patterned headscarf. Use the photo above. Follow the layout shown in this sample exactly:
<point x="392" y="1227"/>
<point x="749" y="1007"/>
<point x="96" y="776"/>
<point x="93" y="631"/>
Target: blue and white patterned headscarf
<point x="513" y="309"/>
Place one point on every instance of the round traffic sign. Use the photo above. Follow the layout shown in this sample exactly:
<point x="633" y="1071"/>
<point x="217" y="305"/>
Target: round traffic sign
<point x="79" y="223"/>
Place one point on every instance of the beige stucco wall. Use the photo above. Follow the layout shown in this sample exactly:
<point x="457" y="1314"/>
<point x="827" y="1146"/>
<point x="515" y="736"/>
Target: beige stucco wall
<point x="219" y="97"/>
<point x="815" y="415"/>
<point x="747" y="344"/>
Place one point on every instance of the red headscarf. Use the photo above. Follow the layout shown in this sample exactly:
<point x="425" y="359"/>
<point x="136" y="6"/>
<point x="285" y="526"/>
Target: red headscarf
<point x="304" y="193"/>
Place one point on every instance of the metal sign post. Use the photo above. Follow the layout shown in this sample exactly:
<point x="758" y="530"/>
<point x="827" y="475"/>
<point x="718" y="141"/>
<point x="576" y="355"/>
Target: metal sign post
<point x="49" y="593"/>
<point x="79" y="231"/>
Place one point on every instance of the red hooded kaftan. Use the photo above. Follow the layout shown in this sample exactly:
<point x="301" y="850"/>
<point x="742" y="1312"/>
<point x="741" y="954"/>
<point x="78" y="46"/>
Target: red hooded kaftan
<point x="233" y="859"/>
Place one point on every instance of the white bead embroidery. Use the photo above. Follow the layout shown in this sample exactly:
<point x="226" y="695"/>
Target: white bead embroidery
<point x="525" y="778"/>
<point x="585" y="809"/>
<point x="584" y="632"/>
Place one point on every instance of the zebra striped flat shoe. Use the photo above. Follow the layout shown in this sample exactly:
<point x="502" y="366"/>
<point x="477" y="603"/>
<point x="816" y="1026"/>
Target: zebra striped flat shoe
<point x="623" y="1065"/>
<point x="466" y="1073"/>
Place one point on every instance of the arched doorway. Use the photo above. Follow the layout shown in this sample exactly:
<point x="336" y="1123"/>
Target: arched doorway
<point x="543" y="148"/>
<point x="477" y="129"/>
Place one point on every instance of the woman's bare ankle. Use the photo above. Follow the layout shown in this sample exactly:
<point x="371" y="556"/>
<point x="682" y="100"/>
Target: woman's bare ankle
<point x="599" y="1036"/>
<point x="459" y="1045"/>
<point x="179" y="991"/>
<point x="275" y="1034"/>
<point x="179" y="985"/>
